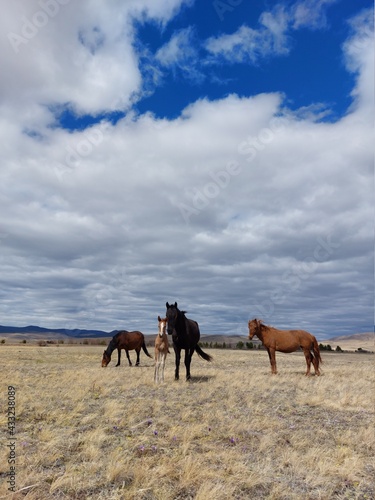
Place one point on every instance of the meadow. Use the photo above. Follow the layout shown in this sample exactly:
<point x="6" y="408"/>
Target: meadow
<point x="233" y="432"/>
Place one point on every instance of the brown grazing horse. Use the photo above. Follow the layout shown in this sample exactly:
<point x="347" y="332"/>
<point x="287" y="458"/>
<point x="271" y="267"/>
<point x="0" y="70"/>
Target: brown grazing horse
<point x="128" y="341"/>
<point x="286" y="341"/>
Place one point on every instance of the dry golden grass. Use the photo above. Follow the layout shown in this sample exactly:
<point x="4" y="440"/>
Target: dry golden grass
<point x="235" y="431"/>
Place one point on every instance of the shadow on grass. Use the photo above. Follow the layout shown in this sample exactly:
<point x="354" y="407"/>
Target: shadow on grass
<point x="201" y="378"/>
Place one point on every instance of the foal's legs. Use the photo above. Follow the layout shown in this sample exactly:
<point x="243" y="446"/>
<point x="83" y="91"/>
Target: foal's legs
<point x="162" y="356"/>
<point x="157" y="366"/>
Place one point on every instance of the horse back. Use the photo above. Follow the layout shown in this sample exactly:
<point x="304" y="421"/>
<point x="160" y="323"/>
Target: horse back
<point x="188" y="335"/>
<point x="129" y="340"/>
<point x="287" y="340"/>
<point x="194" y="330"/>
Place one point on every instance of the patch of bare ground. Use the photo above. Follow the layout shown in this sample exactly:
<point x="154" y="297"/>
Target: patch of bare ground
<point x="235" y="431"/>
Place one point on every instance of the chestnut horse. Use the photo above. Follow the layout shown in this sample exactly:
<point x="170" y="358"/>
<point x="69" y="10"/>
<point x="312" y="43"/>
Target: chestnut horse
<point x="128" y="341"/>
<point x="185" y="335"/>
<point x="286" y="341"/>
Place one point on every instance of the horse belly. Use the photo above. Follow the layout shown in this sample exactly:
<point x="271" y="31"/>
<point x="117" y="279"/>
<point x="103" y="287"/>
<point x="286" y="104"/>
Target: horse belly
<point x="287" y="344"/>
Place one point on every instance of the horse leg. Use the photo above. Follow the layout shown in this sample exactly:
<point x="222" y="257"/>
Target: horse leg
<point x="127" y="355"/>
<point x="162" y="365"/>
<point x="272" y="356"/>
<point x="315" y="362"/>
<point x="309" y="357"/>
<point x="118" y="357"/>
<point x="156" y="373"/>
<point x="178" y="357"/>
<point x="188" y="356"/>
<point x="317" y="359"/>
<point x="138" y="352"/>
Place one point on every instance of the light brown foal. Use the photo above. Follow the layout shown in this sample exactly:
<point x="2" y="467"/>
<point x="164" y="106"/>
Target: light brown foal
<point x="161" y="350"/>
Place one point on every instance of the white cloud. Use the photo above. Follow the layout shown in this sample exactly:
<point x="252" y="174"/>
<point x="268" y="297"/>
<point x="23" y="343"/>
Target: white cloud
<point x="94" y="69"/>
<point x="273" y="36"/>
<point x="310" y="13"/>
<point x="248" y="44"/>
<point x="181" y="55"/>
<point x="359" y="59"/>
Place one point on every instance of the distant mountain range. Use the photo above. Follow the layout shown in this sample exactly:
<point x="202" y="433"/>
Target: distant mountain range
<point x="76" y="333"/>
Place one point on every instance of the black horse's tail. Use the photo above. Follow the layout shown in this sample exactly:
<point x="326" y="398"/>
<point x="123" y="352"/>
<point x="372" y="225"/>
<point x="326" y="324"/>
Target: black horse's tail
<point x="145" y="349"/>
<point x="203" y="354"/>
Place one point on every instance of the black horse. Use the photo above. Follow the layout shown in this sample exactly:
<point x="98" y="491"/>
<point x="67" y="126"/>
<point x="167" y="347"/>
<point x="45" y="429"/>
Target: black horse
<point x="185" y="335"/>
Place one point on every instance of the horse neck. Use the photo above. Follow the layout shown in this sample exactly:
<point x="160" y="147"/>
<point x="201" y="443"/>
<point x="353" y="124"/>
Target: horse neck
<point x="259" y="333"/>
<point x="111" y="346"/>
<point x="181" y="322"/>
<point x="162" y="337"/>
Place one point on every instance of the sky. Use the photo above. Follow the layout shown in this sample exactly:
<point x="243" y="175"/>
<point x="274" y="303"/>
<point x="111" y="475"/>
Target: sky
<point x="217" y="154"/>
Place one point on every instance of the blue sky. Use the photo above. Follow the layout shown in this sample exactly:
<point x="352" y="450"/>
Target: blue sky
<point x="218" y="154"/>
<point x="310" y="54"/>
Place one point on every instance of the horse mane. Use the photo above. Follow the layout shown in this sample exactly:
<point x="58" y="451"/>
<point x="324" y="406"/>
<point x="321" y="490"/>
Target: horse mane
<point x="112" y="344"/>
<point x="260" y="322"/>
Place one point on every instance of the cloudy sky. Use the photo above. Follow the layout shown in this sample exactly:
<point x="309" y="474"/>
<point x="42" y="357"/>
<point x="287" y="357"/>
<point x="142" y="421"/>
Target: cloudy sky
<point x="218" y="154"/>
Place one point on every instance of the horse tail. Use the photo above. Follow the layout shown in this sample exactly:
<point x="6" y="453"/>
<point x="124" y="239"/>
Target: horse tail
<point x="145" y="349"/>
<point x="203" y="354"/>
<point x="317" y="351"/>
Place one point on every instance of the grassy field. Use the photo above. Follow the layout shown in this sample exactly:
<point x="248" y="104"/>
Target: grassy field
<point x="235" y="431"/>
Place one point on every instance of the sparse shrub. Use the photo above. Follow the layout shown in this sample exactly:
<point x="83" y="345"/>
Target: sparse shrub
<point x="3" y="341"/>
<point x="338" y="349"/>
<point x="240" y="345"/>
<point x="249" y="345"/>
<point x="323" y="347"/>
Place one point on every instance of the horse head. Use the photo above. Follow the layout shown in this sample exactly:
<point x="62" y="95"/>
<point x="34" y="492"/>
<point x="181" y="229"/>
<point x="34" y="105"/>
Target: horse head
<point x="162" y="325"/>
<point x="254" y="327"/>
<point x="171" y="316"/>
<point x="106" y="359"/>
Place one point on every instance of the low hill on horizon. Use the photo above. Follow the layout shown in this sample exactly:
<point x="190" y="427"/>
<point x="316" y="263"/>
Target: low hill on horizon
<point x="33" y="333"/>
<point x="75" y="333"/>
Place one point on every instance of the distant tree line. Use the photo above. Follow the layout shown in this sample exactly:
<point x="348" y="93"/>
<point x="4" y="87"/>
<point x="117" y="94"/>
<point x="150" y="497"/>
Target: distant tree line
<point x="327" y="347"/>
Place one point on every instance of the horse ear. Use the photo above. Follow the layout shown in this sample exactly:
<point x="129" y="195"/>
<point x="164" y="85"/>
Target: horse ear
<point x="167" y="305"/>
<point x="159" y="318"/>
<point x="175" y="304"/>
